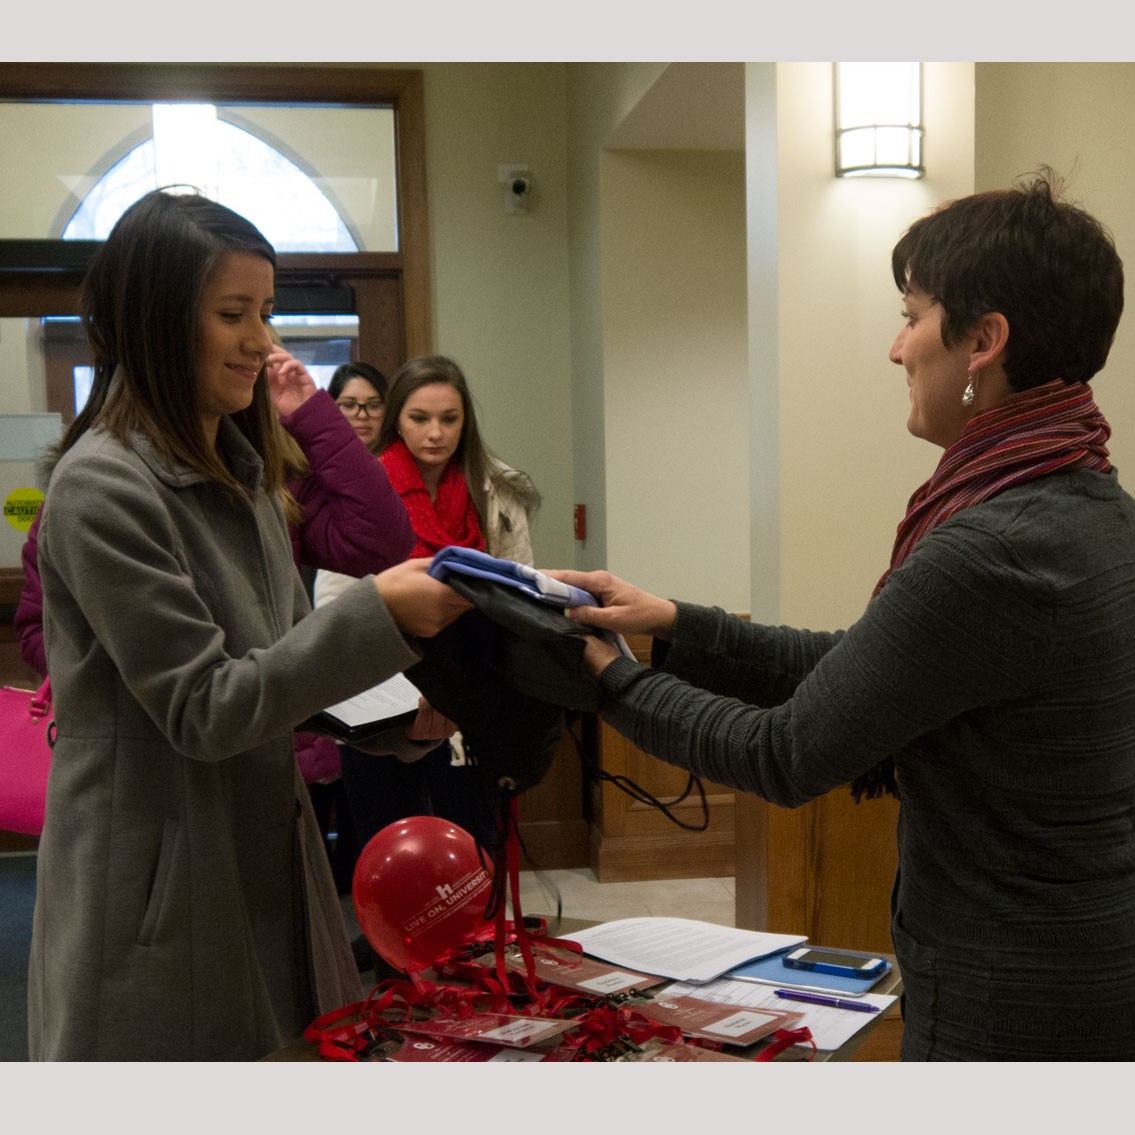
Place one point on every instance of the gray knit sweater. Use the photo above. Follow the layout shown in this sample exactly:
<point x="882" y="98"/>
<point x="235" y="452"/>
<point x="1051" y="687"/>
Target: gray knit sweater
<point x="997" y="666"/>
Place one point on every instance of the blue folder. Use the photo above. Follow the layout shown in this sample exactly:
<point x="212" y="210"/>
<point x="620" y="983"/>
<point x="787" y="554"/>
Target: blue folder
<point x="527" y="580"/>
<point x="771" y="970"/>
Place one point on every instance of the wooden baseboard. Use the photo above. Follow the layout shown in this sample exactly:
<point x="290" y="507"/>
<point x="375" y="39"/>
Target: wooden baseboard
<point x="554" y="845"/>
<point x="631" y="859"/>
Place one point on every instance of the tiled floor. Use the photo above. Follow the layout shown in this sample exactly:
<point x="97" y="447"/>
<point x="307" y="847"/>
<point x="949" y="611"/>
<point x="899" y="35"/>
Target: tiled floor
<point x="576" y="893"/>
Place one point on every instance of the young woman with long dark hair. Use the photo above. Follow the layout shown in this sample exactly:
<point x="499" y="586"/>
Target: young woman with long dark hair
<point x="185" y="907"/>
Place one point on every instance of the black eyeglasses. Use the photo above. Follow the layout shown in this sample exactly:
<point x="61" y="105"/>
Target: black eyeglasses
<point x="372" y="407"/>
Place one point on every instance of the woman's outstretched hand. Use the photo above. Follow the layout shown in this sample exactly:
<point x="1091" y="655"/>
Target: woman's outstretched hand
<point x="625" y="610"/>
<point x="420" y="605"/>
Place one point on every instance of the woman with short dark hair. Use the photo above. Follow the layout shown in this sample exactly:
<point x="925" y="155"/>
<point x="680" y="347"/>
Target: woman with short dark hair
<point x="990" y="683"/>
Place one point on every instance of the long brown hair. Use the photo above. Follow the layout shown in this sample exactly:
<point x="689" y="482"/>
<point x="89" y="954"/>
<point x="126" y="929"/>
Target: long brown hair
<point x="478" y="463"/>
<point x="141" y="305"/>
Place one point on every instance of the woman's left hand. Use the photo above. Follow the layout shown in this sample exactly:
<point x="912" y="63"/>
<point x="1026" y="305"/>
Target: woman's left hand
<point x="289" y="383"/>
<point x="429" y="725"/>
<point x="420" y="605"/>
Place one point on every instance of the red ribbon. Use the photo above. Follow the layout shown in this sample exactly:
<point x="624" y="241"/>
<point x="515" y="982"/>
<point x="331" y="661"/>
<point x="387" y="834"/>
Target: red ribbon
<point x="611" y="1030"/>
<point x="347" y="1032"/>
<point x="786" y="1038"/>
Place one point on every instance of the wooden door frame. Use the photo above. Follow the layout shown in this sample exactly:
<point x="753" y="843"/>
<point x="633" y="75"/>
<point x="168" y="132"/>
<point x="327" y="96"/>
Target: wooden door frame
<point x="290" y="83"/>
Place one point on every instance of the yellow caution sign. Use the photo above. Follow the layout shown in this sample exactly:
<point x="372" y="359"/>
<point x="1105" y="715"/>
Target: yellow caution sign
<point x="21" y="507"/>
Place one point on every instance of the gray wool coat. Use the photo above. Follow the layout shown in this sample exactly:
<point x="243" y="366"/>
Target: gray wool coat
<point x="185" y="908"/>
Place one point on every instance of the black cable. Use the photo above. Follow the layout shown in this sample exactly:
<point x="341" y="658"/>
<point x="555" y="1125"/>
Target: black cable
<point x="637" y="792"/>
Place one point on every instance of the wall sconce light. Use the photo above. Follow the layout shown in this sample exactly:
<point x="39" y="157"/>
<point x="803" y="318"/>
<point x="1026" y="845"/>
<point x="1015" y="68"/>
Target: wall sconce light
<point x="878" y="120"/>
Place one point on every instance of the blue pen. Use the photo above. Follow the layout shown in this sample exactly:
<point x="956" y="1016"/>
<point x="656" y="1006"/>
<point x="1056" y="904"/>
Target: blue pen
<point x="834" y="1002"/>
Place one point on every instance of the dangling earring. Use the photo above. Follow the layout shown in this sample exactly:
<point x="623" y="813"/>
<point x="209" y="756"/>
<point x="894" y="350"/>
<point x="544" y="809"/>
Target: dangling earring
<point x="970" y="392"/>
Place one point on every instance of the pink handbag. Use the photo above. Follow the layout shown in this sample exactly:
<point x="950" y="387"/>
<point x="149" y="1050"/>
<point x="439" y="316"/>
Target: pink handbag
<point x="27" y="733"/>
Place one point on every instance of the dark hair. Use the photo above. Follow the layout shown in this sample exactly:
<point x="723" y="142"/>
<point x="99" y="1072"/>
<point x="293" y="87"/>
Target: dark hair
<point x="343" y="374"/>
<point x="141" y="308"/>
<point x="1047" y="266"/>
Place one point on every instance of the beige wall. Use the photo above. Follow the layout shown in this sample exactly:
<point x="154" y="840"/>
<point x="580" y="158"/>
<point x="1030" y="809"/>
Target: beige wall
<point x="500" y="283"/>
<point x="829" y="465"/>
<point x="846" y="464"/>
<point x="22" y="380"/>
<point x="537" y="311"/>
<point x="599" y="97"/>
<point x="1074" y="117"/>
<point x="674" y="362"/>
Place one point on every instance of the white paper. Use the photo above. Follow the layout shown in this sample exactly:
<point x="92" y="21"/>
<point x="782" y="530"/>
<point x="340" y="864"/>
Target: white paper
<point x="831" y="1027"/>
<point x="680" y="948"/>
<point x="388" y="699"/>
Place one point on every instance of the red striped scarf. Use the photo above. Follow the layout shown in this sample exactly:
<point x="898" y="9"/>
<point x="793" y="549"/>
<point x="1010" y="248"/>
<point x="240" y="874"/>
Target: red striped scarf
<point x="1054" y="428"/>
<point x="450" y="518"/>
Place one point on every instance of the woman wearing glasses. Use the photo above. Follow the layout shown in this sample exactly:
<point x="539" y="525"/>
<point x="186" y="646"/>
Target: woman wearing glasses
<point x="359" y="391"/>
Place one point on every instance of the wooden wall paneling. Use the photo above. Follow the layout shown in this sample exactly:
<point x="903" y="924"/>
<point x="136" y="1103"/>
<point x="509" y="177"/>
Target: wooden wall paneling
<point x="632" y="840"/>
<point x="382" y="337"/>
<point x="750" y="861"/>
<point x="413" y="216"/>
<point x="36" y="294"/>
<point x="824" y="870"/>
<point x="827" y="869"/>
<point x="552" y="814"/>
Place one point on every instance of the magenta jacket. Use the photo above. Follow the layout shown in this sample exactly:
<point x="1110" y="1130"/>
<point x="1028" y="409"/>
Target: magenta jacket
<point x="351" y="515"/>
<point x="353" y="522"/>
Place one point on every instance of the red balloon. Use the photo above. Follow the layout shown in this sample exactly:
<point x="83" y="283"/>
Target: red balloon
<point x="420" y="889"/>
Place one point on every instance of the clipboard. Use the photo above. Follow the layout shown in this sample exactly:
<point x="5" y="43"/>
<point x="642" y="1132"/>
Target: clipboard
<point x="390" y="703"/>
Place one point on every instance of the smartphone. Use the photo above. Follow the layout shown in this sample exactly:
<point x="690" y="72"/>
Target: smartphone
<point x="838" y="962"/>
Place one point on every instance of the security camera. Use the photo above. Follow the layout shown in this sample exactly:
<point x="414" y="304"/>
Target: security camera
<point x="513" y="176"/>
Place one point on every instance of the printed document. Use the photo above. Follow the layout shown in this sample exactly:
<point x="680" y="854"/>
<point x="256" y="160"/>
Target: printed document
<point x="390" y="699"/>
<point x="680" y="948"/>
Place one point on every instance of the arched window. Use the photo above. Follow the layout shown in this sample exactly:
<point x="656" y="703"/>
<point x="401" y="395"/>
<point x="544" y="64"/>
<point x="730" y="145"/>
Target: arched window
<point x="191" y="145"/>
